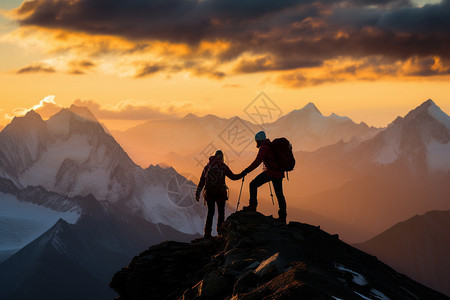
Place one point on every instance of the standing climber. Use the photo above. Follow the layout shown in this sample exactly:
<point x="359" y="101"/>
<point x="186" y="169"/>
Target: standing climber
<point x="272" y="172"/>
<point x="216" y="191"/>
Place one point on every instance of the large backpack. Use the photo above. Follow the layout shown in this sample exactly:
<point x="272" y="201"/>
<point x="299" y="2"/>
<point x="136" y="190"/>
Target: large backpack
<point x="214" y="180"/>
<point x="282" y="149"/>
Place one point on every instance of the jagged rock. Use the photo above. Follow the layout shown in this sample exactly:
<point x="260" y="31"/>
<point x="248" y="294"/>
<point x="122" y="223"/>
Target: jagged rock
<point x="271" y="265"/>
<point x="259" y="258"/>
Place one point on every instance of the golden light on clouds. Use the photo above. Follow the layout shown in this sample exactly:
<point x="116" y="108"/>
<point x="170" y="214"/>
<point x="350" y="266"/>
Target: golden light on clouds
<point x="43" y="107"/>
<point x="210" y="57"/>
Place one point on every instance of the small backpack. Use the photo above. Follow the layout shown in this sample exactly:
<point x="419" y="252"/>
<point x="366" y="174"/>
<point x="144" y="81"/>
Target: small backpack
<point x="214" y="182"/>
<point x="282" y="149"/>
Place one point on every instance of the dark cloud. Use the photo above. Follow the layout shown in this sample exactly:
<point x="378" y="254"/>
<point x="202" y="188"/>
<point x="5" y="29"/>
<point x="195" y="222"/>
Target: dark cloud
<point x="268" y="63"/>
<point x="36" y="68"/>
<point x="264" y="35"/>
<point x="75" y="67"/>
<point x="149" y="69"/>
<point x="80" y="67"/>
<point x="428" y="66"/>
<point x="187" y="21"/>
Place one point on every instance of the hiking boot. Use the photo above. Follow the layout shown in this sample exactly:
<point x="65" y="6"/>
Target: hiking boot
<point x="249" y="208"/>
<point x="281" y="220"/>
<point x="219" y="231"/>
<point x="281" y="217"/>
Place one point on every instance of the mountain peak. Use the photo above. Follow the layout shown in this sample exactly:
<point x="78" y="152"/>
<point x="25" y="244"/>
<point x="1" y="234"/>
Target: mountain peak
<point x="190" y="116"/>
<point x="429" y="109"/>
<point x="30" y="116"/>
<point x="31" y="120"/>
<point x="83" y="112"/>
<point x="62" y="122"/>
<point x="428" y="103"/>
<point x="311" y="107"/>
<point x="338" y="118"/>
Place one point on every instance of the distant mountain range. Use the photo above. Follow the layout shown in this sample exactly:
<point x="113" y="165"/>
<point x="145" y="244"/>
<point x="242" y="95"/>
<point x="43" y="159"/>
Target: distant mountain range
<point x="372" y="184"/>
<point x="418" y="247"/>
<point x="72" y="155"/>
<point x="161" y="140"/>
<point x="75" y="261"/>
<point x="74" y="207"/>
<point x="69" y="190"/>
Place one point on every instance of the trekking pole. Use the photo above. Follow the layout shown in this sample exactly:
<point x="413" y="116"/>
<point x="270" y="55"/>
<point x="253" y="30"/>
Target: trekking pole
<point x="271" y="195"/>
<point x="239" y="199"/>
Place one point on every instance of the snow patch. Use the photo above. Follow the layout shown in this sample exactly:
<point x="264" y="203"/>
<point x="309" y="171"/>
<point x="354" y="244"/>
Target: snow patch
<point x="439" y="115"/>
<point x="156" y="207"/>
<point x="362" y="296"/>
<point x="388" y="154"/>
<point x="379" y="295"/>
<point x="438" y="156"/>
<point x="59" y="124"/>
<point x="357" y="278"/>
<point x="390" y="146"/>
<point x="44" y="171"/>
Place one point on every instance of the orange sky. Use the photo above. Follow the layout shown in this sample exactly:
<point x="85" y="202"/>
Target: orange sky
<point x="133" y="76"/>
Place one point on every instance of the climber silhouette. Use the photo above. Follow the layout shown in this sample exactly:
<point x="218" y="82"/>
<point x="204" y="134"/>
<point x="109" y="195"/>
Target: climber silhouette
<point x="215" y="189"/>
<point x="272" y="172"/>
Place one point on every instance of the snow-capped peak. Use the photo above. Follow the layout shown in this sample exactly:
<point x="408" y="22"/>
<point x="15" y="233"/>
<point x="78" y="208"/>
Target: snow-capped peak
<point x="440" y="116"/>
<point x="83" y="112"/>
<point x="31" y="120"/>
<point x="62" y="122"/>
<point x="430" y="109"/>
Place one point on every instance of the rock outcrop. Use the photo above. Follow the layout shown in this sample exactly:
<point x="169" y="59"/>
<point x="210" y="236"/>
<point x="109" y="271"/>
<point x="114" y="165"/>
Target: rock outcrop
<point x="260" y="258"/>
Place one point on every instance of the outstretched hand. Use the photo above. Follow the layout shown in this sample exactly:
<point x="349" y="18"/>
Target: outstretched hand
<point x="243" y="173"/>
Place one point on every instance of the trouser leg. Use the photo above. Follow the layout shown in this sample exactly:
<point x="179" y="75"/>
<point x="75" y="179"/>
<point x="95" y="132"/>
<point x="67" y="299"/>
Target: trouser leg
<point x="255" y="184"/>
<point x="278" y="187"/>
<point x="209" y="218"/>
<point x="220" y="215"/>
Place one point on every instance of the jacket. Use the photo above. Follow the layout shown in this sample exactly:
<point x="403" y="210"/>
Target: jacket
<point x="266" y="156"/>
<point x="225" y="170"/>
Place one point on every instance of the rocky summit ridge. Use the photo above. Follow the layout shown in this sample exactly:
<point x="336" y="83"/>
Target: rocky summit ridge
<point x="260" y="258"/>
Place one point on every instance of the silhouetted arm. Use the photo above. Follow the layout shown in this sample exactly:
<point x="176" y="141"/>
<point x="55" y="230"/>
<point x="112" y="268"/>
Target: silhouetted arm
<point x="258" y="160"/>
<point x="231" y="175"/>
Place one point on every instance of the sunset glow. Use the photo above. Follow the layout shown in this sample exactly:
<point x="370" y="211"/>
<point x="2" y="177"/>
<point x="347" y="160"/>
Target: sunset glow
<point x="369" y="62"/>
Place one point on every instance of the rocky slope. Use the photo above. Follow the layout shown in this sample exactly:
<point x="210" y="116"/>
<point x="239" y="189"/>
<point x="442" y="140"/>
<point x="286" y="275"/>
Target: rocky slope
<point x="259" y="258"/>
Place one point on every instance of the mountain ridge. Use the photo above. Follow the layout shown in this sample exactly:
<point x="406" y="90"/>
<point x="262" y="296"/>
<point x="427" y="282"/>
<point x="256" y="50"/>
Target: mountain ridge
<point x="72" y="155"/>
<point x="80" y="258"/>
<point x="260" y="258"/>
<point x="414" y="247"/>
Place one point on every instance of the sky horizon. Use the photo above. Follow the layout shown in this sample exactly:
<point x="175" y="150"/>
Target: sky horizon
<point x="47" y="108"/>
<point x="368" y="60"/>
